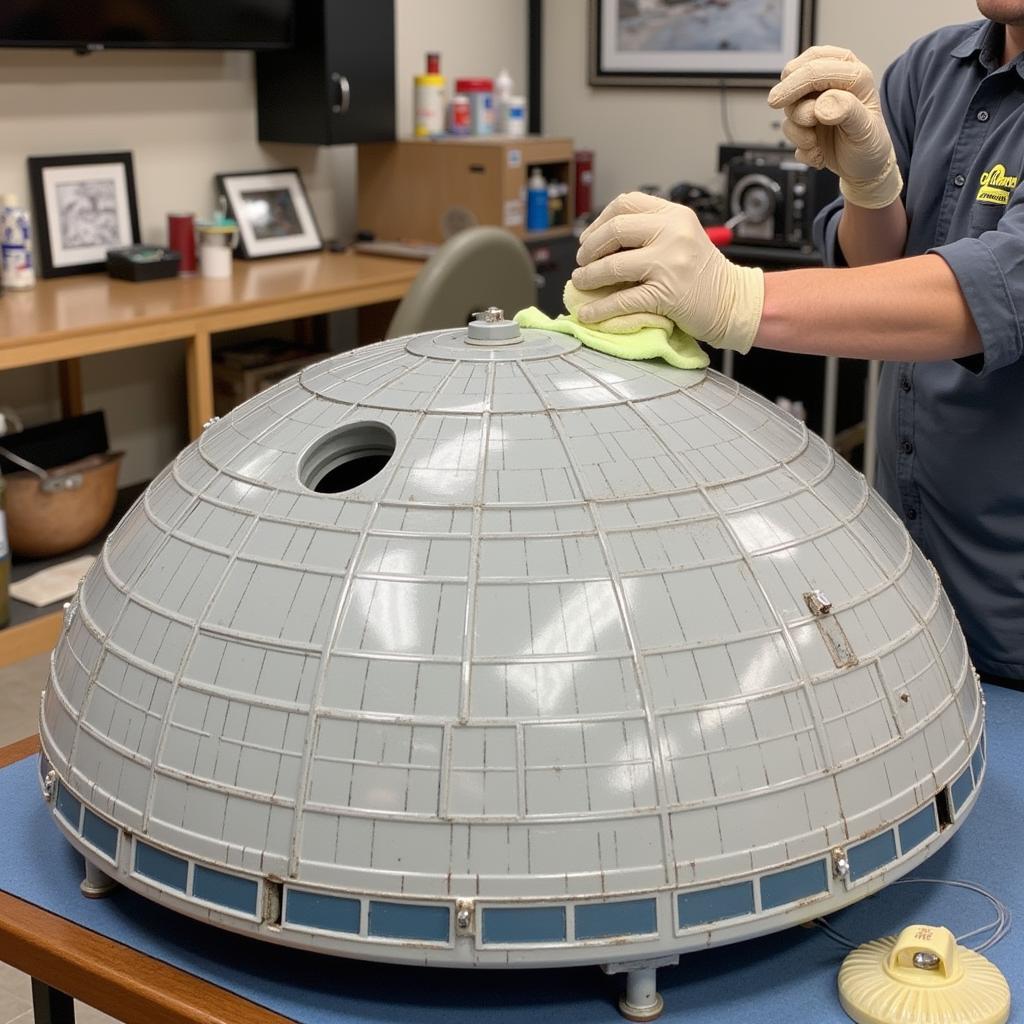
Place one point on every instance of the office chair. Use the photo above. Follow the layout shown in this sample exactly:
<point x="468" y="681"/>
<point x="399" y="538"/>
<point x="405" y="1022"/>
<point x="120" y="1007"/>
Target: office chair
<point x="477" y="268"/>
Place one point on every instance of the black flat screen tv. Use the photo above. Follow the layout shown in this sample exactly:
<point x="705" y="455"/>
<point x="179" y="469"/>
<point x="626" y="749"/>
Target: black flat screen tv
<point x="86" y="25"/>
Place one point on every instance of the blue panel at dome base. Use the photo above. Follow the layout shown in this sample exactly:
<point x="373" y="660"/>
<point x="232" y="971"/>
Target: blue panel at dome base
<point x="917" y="828"/>
<point x="161" y="867"/>
<point x="961" y="789"/>
<point x="523" y="924"/>
<point x="793" y="884"/>
<point x="100" y="834"/>
<point x="719" y="904"/>
<point x="226" y="890"/>
<point x="328" y="913"/>
<point x="627" y="917"/>
<point x="409" y="921"/>
<point x="871" y="855"/>
<point x="68" y="806"/>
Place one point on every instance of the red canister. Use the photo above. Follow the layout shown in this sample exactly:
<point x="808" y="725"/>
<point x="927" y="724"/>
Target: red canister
<point x="181" y="236"/>
<point x="584" y="181"/>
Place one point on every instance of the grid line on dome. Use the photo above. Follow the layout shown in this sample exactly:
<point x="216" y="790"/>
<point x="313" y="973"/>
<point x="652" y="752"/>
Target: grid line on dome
<point x="794" y="651"/>
<point x="143" y="564"/>
<point x="647" y="701"/>
<point x="896" y="581"/>
<point x="316" y="700"/>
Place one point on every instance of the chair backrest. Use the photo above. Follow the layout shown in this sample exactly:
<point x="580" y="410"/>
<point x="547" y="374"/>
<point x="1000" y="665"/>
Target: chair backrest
<point x="477" y="268"/>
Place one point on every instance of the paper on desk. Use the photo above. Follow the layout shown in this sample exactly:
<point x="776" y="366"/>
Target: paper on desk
<point x="57" y="583"/>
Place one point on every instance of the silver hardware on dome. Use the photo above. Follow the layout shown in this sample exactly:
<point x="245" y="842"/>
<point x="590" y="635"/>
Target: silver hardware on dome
<point x="840" y="864"/>
<point x="818" y="603"/>
<point x="489" y="327"/>
<point x="927" y="961"/>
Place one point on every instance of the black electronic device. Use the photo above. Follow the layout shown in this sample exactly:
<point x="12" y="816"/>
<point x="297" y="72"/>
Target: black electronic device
<point x="771" y="198"/>
<point x="157" y="24"/>
<point x="142" y="263"/>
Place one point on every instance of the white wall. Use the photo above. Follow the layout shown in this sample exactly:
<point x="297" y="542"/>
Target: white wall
<point x="661" y="136"/>
<point x="186" y="116"/>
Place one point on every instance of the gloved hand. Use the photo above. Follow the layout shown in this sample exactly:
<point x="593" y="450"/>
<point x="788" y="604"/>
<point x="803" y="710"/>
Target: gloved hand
<point x="834" y="118"/>
<point x="660" y="258"/>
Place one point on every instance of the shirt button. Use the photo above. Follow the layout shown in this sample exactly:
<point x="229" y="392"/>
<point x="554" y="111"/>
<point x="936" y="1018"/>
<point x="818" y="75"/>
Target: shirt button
<point x="982" y="115"/>
<point x="907" y="447"/>
<point x="911" y="513"/>
<point x="959" y="181"/>
<point x="905" y="383"/>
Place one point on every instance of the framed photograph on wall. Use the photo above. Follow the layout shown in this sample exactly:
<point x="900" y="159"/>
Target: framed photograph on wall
<point x="696" y="42"/>
<point x="273" y="213"/>
<point x="84" y="205"/>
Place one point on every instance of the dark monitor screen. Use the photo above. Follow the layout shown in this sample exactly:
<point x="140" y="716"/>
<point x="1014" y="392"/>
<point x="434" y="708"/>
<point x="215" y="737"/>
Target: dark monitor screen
<point x="167" y="24"/>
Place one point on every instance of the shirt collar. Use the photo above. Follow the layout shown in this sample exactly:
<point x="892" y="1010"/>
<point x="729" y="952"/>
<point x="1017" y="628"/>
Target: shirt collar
<point x="986" y="41"/>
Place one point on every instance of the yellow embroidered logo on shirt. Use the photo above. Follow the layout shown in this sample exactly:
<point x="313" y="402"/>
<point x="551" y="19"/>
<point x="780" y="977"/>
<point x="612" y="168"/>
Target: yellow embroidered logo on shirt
<point x="996" y="186"/>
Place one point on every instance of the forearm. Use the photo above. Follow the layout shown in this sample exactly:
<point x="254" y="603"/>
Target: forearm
<point x="909" y="310"/>
<point x="872" y="236"/>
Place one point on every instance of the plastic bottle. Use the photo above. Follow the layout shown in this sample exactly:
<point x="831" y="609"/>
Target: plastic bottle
<point x="480" y="93"/>
<point x="502" y="94"/>
<point x="15" y="244"/>
<point x="512" y="116"/>
<point x="428" y="99"/>
<point x="537" y="202"/>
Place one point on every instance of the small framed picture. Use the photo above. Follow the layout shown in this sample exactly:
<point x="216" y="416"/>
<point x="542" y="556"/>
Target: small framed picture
<point x="273" y="213"/>
<point x="696" y="42"/>
<point x="84" y="205"/>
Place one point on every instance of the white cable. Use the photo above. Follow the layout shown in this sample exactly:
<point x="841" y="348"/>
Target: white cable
<point x="999" y="926"/>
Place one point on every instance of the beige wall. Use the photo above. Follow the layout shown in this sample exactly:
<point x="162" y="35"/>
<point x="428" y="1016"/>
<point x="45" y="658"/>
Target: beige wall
<point x="661" y="136"/>
<point x="186" y="116"/>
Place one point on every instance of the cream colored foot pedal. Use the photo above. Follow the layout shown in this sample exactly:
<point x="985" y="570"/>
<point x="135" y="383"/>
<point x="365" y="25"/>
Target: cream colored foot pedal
<point x="922" y="976"/>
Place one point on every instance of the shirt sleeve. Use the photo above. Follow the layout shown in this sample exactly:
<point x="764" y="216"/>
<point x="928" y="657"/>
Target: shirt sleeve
<point x="898" y="94"/>
<point x="990" y="272"/>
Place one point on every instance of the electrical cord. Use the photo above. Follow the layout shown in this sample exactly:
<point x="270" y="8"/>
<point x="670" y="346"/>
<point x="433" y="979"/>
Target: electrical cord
<point x="999" y="926"/>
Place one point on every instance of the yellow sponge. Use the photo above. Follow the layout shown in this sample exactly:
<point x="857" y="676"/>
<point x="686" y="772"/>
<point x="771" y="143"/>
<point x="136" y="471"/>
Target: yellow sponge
<point x="922" y="976"/>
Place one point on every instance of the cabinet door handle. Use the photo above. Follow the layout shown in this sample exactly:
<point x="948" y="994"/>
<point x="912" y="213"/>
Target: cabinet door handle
<point x="344" y="93"/>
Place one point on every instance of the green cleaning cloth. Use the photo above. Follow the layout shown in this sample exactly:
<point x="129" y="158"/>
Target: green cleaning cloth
<point x="635" y="336"/>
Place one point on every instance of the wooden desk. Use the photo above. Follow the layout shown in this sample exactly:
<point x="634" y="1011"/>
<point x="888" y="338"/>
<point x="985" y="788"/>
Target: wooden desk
<point x="63" y="319"/>
<point x="71" y="317"/>
<point x="62" y="957"/>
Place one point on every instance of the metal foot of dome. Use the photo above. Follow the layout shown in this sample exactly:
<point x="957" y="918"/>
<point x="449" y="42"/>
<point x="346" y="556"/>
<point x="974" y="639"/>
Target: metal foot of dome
<point x="96" y="884"/>
<point x="641" y="1001"/>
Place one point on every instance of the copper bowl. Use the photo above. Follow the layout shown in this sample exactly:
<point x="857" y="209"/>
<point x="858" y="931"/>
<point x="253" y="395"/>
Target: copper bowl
<point x="53" y="511"/>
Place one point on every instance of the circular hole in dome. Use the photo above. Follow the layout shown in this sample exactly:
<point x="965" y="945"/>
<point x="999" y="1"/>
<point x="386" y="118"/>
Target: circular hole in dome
<point x="347" y="457"/>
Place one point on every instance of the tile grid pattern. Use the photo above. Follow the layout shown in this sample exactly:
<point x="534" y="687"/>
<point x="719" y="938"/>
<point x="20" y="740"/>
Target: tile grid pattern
<point x="558" y="646"/>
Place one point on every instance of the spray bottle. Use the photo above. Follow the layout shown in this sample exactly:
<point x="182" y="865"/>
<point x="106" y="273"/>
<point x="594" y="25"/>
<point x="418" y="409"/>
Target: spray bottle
<point x="15" y="244"/>
<point x="537" y="217"/>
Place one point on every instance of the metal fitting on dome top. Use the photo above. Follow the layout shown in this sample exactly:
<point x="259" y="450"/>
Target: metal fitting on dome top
<point x="489" y="327"/>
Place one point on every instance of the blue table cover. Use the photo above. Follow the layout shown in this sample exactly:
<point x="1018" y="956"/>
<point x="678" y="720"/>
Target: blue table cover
<point x="773" y="980"/>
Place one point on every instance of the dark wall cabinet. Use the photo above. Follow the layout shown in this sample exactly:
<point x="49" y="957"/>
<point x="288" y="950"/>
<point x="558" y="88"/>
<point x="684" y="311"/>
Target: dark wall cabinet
<point x="337" y="84"/>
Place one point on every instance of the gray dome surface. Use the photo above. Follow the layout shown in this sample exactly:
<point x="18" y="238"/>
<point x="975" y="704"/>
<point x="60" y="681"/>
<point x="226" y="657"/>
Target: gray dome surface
<point x="609" y="659"/>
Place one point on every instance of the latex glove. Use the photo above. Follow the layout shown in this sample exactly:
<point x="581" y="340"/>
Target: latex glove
<point x="834" y="118"/>
<point x="659" y="256"/>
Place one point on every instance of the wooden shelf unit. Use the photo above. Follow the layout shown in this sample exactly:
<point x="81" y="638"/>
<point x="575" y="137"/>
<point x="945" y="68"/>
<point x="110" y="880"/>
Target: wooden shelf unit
<point x="415" y="189"/>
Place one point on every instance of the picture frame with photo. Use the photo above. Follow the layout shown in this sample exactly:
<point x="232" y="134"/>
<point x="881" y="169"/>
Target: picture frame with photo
<point x="85" y="204"/>
<point x="272" y="211"/>
<point x="709" y="43"/>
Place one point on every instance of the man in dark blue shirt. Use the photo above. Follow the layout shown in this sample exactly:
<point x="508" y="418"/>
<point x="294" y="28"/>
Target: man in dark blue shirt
<point x="927" y="243"/>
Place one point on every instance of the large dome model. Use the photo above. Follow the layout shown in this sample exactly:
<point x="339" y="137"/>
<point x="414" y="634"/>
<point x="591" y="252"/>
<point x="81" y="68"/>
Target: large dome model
<point x="479" y="648"/>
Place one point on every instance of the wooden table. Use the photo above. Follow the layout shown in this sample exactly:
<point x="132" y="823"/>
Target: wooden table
<point x="64" y="319"/>
<point x="65" y="960"/>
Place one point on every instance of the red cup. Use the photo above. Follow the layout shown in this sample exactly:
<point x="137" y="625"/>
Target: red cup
<point x="181" y="236"/>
